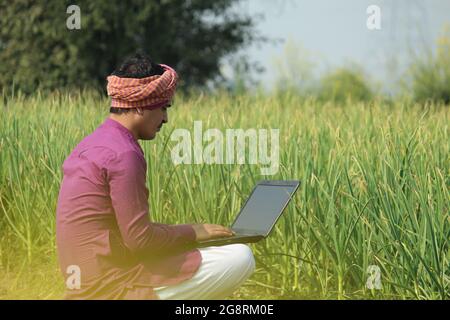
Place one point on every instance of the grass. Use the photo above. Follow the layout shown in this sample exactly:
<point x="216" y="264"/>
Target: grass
<point x="375" y="191"/>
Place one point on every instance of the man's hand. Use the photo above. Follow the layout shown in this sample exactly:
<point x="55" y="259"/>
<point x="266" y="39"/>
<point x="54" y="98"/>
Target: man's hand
<point x="210" y="231"/>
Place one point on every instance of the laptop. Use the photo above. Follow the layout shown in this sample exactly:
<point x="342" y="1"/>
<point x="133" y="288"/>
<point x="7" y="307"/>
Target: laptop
<point x="259" y="214"/>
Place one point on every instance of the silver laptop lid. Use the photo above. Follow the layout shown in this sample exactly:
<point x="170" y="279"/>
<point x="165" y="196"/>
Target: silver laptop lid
<point x="264" y="206"/>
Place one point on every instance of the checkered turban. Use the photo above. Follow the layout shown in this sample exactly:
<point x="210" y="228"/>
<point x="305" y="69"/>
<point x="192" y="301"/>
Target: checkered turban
<point x="150" y="92"/>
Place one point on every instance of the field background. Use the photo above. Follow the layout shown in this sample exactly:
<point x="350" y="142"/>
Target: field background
<point x="375" y="191"/>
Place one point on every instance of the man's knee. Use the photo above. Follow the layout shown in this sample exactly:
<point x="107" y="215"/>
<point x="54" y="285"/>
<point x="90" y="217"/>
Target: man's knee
<point x="228" y="267"/>
<point x="241" y="258"/>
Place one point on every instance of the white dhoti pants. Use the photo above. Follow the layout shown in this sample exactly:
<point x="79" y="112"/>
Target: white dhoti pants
<point x="222" y="271"/>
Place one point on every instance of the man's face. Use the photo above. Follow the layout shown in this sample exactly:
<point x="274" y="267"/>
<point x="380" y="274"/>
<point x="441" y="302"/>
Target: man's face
<point x="151" y="121"/>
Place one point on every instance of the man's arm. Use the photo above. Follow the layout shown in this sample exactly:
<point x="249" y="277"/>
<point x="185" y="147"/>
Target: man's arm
<point x="129" y="195"/>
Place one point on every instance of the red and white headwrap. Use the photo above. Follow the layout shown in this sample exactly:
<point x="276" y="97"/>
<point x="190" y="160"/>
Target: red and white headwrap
<point x="150" y="92"/>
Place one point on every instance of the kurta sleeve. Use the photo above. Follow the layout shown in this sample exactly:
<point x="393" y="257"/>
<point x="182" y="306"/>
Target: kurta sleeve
<point x="126" y="174"/>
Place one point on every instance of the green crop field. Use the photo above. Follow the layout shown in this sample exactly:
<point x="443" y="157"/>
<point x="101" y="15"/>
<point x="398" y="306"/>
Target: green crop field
<point x="375" y="191"/>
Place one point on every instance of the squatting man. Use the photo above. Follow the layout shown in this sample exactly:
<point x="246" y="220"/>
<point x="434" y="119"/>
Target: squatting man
<point x="103" y="223"/>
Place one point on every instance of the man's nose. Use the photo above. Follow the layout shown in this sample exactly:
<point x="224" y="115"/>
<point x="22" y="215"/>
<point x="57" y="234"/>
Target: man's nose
<point x="165" y="117"/>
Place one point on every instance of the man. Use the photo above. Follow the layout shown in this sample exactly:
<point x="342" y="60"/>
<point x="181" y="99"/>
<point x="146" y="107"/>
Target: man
<point x="104" y="233"/>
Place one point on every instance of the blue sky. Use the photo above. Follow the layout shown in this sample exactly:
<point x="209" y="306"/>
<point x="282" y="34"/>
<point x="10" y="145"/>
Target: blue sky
<point x="334" y="33"/>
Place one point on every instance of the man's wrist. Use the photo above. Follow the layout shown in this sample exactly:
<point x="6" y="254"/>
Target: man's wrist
<point x="187" y="231"/>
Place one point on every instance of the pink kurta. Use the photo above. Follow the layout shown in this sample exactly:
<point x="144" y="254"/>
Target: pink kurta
<point x="103" y="225"/>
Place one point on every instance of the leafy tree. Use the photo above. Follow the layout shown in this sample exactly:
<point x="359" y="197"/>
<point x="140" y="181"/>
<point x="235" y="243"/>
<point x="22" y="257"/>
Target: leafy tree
<point x="430" y="74"/>
<point x="344" y="83"/>
<point x="37" y="50"/>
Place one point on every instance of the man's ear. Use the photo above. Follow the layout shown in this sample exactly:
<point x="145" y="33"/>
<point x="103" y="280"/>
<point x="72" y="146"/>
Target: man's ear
<point x="140" y="111"/>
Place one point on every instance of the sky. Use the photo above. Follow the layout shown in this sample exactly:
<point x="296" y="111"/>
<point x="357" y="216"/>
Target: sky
<point x="334" y="33"/>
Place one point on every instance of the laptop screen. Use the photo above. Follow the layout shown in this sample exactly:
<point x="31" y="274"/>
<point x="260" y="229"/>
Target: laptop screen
<point x="263" y="208"/>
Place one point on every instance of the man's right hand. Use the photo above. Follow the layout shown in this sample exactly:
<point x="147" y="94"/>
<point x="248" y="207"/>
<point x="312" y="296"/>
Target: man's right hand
<point x="205" y="231"/>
